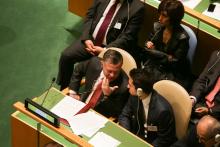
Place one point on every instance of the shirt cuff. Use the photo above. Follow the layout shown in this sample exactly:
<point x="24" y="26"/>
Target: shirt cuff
<point x="194" y="98"/>
<point x="72" y="92"/>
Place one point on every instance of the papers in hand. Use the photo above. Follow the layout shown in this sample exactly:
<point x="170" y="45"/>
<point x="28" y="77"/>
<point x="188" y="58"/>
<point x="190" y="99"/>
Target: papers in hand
<point x="67" y="107"/>
<point x="103" y="140"/>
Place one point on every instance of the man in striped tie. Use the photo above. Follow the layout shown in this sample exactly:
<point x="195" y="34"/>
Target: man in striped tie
<point x="106" y="84"/>
<point x="108" y="23"/>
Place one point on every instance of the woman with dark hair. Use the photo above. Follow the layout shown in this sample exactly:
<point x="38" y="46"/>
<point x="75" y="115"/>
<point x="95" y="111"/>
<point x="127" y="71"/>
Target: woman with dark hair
<point x="168" y="46"/>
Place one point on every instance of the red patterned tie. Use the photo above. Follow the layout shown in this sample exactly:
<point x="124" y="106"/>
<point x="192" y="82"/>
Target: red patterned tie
<point x="210" y="97"/>
<point x="103" y="28"/>
<point x="93" y="100"/>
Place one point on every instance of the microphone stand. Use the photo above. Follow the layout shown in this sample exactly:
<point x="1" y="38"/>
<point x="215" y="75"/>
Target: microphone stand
<point x="38" y="123"/>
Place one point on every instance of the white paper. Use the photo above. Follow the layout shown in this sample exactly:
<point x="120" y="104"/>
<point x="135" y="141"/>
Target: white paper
<point x="87" y="123"/>
<point x="103" y="140"/>
<point x="215" y="14"/>
<point x="189" y="3"/>
<point x="67" y="107"/>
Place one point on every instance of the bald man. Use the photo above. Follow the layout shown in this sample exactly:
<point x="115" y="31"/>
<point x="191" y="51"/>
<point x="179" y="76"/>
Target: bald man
<point x="208" y="131"/>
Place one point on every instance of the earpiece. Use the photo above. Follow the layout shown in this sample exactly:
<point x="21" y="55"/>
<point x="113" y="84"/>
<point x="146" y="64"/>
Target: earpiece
<point x="139" y="92"/>
<point x="217" y="138"/>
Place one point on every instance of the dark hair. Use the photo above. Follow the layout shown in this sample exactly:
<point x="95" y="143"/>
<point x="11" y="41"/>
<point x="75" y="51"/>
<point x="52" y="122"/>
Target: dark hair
<point x="145" y="78"/>
<point x="174" y="9"/>
<point x="112" y="56"/>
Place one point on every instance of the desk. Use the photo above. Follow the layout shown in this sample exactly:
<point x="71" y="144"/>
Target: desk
<point x="205" y="27"/>
<point x="24" y="132"/>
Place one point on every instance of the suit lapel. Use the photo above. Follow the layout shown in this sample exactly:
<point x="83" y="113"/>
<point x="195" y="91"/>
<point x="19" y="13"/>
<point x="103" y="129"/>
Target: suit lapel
<point x="100" y="10"/>
<point x="151" y="109"/>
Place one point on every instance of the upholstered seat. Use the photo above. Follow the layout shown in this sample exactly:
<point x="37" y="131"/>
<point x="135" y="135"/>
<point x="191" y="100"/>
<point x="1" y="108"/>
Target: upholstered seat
<point x="181" y="104"/>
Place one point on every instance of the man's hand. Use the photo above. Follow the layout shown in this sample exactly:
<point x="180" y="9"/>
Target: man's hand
<point x="106" y="89"/>
<point x="94" y="50"/>
<point x="202" y="111"/>
<point x="97" y="50"/>
<point x="73" y="94"/>
<point x="89" y="46"/>
<point x="150" y="45"/>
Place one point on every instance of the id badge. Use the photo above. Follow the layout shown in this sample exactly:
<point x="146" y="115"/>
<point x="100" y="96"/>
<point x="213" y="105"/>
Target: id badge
<point x="152" y="128"/>
<point x="118" y="25"/>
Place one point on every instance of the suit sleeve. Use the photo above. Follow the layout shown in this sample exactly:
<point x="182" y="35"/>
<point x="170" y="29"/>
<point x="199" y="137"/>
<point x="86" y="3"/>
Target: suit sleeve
<point x="125" y="117"/>
<point x="79" y="71"/>
<point x="200" y="85"/>
<point x="166" y="130"/>
<point x="129" y="35"/>
<point x="90" y="16"/>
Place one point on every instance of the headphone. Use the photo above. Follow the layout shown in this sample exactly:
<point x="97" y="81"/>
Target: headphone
<point x="139" y="92"/>
<point x="217" y="138"/>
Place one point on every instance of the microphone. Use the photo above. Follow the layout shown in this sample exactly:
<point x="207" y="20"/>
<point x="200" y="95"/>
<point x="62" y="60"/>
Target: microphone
<point x="52" y="82"/>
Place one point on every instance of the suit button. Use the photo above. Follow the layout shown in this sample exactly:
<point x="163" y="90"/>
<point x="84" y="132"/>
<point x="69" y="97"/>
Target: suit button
<point x="145" y="131"/>
<point x="145" y="136"/>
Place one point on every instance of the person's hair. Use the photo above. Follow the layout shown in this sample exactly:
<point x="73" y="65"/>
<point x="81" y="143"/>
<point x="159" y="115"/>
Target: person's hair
<point x="145" y="78"/>
<point x="213" y="126"/>
<point x="112" y="56"/>
<point x="174" y="9"/>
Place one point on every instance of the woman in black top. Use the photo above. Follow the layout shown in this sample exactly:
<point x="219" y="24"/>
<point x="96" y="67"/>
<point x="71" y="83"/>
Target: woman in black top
<point x="168" y="46"/>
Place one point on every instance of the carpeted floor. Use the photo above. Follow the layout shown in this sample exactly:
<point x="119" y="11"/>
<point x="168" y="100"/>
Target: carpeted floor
<point x="32" y="35"/>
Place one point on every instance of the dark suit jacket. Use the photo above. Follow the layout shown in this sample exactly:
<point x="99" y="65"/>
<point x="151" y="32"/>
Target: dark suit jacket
<point x="91" y="69"/>
<point x="206" y="82"/>
<point x="160" y="114"/>
<point x="122" y="38"/>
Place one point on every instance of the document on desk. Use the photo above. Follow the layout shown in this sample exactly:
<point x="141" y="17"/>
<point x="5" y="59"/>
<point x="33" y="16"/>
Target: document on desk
<point x="67" y="107"/>
<point x="215" y="14"/>
<point x="189" y="3"/>
<point x="103" y="140"/>
<point x="87" y="123"/>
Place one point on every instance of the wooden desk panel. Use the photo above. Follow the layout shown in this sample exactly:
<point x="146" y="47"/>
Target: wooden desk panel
<point x="24" y="135"/>
<point x="79" y="7"/>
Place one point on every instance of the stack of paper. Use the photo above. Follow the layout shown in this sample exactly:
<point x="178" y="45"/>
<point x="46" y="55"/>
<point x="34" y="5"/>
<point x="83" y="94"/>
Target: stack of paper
<point x="87" y="123"/>
<point x="103" y="140"/>
<point x="189" y="3"/>
<point x="67" y="107"/>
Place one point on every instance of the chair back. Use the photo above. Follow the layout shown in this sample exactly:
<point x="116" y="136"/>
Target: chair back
<point x="192" y="43"/>
<point x="180" y="102"/>
<point x="128" y="61"/>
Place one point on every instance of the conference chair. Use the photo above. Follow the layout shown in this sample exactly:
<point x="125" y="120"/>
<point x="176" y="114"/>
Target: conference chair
<point x="192" y="43"/>
<point x="180" y="101"/>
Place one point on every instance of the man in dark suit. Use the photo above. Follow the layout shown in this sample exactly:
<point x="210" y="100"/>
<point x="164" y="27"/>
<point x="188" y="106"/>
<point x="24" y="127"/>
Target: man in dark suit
<point x="203" y="87"/>
<point x="147" y="114"/>
<point x="121" y="32"/>
<point x="114" y="82"/>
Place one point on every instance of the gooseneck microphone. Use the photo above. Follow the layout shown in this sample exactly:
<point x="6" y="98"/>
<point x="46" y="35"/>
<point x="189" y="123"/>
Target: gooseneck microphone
<point x="52" y="82"/>
<point x="39" y="124"/>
